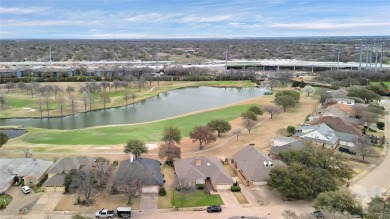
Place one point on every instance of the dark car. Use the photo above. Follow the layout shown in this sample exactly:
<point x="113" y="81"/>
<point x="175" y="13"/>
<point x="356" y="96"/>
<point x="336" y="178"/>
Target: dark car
<point x="318" y="214"/>
<point x="346" y="150"/>
<point x="214" y="208"/>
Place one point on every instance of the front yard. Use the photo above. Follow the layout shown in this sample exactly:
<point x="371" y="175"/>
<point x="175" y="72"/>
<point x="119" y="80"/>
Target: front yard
<point x="196" y="199"/>
<point x="67" y="203"/>
<point x="5" y="200"/>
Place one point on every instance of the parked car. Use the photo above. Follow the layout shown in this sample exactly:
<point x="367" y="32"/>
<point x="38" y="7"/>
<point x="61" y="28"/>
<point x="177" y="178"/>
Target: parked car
<point x="105" y="213"/>
<point x="26" y="189"/>
<point x="123" y="212"/>
<point x="318" y="214"/>
<point x="346" y="150"/>
<point x="214" y="208"/>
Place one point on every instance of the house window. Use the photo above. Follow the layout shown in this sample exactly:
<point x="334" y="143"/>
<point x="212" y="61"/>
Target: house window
<point x="31" y="182"/>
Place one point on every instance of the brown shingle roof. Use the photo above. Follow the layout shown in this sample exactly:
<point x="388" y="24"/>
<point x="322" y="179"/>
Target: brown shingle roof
<point x="338" y="124"/>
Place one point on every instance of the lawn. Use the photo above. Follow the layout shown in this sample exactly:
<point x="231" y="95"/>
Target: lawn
<point x="7" y="198"/>
<point x="196" y="199"/>
<point x="120" y="134"/>
<point x="240" y="198"/>
<point x="387" y="83"/>
<point x="166" y="201"/>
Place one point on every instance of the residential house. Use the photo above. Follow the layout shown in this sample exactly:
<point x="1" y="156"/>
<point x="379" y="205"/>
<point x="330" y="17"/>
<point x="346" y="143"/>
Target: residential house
<point x="29" y="170"/>
<point x="339" y="93"/>
<point x="338" y="124"/>
<point x="341" y="111"/>
<point x="318" y="134"/>
<point x="57" y="173"/>
<point x="345" y="101"/>
<point x="281" y="143"/>
<point x="253" y="166"/>
<point x="202" y="170"/>
<point x="144" y="171"/>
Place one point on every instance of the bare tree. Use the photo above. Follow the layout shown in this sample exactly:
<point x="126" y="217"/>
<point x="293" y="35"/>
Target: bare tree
<point x="359" y="109"/>
<point x="30" y="89"/>
<point x="308" y="90"/>
<point x="90" y="100"/>
<point x="10" y="85"/>
<point x="36" y="86"/>
<point x="170" y="151"/>
<point x="237" y="133"/>
<point x="3" y="100"/>
<point x="40" y="105"/>
<point x="282" y="132"/>
<point x="105" y="98"/>
<point x="47" y="101"/>
<point x="73" y="102"/>
<point x="70" y="89"/>
<point x="133" y="96"/>
<point x="370" y="118"/>
<point x="141" y="83"/>
<point x="184" y="188"/>
<point x="249" y="124"/>
<point x="26" y="153"/>
<point x="272" y="110"/>
<point x="126" y="96"/>
<point x="85" y="183"/>
<point x="365" y="149"/>
<point x="21" y="85"/>
<point x="105" y="85"/>
<point x="103" y="171"/>
<point x="61" y="101"/>
<point x="55" y="89"/>
<point x="289" y="214"/>
<point x="84" y="99"/>
<point x="203" y="134"/>
<point x="116" y="84"/>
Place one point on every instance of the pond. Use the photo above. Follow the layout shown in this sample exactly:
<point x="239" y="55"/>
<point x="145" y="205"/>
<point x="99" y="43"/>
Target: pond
<point x="13" y="133"/>
<point x="165" y="105"/>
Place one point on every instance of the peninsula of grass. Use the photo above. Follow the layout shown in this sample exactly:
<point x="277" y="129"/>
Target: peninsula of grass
<point x="120" y="134"/>
<point x="5" y="200"/>
<point x="196" y="199"/>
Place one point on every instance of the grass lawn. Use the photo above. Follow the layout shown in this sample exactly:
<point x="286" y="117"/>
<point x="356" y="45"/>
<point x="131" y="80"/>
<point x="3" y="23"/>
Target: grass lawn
<point x="37" y="189"/>
<point x="120" y="134"/>
<point x="7" y="199"/>
<point x="240" y="198"/>
<point x="387" y="83"/>
<point x="166" y="201"/>
<point x="230" y="169"/>
<point x="196" y="199"/>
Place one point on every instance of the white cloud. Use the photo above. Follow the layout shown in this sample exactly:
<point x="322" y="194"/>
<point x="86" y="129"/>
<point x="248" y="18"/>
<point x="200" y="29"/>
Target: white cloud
<point x="325" y="25"/>
<point x="118" y="35"/>
<point x="18" y="10"/>
<point x="203" y="19"/>
<point x="46" y="23"/>
<point x="175" y="18"/>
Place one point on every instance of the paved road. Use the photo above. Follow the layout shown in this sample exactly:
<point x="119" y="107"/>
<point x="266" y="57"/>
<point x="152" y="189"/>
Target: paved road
<point x="20" y="200"/>
<point x="378" y="181"/>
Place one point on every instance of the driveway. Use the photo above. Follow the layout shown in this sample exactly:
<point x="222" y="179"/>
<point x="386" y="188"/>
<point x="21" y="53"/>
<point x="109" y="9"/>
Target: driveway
<point x="20" y="200"/>
<point x="228" y="198"/>
<point x="149" y="198"/>
<point x="378" y="181"/>
<point x="47" y="202"/>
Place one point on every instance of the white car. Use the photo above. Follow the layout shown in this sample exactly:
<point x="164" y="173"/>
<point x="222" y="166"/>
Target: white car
<point x="26" y="189"/>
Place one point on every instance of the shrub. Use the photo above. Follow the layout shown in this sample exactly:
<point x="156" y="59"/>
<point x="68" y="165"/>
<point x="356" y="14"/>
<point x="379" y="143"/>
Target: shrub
<point x="291" y="130"/>
<point x="380" y="125"/>
<point x="115" y="163"/>
<point x="162" y="192"/>
<point x="199" y="186"/>
<point x="236" y="188"/>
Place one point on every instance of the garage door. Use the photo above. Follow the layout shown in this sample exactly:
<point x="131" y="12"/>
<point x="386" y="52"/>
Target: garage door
<point x="55" y="189"/>
<point x="149" y="189"/>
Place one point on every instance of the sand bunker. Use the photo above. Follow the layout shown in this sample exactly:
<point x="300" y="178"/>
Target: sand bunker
<point x="151" y="146"/>
<point x="101" y="147"/>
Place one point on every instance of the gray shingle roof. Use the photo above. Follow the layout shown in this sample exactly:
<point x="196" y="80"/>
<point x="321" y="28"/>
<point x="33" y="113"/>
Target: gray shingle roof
<point x="284" y="139"/>
<point x="56" y="180"/>
<point x="69" y="163"/>
<point x="187" y="170"/>
<point x="147" y="171"/>
<point x="251" y="161"/>
<point x="347" y="137"/>
<point x="298" y="144"/>
<point x="21" y="167"/>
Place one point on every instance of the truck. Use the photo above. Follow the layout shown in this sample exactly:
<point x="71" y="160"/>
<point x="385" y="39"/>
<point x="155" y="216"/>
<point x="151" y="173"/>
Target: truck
<point x="104" y="213"/>
<point x="123" y="212"/>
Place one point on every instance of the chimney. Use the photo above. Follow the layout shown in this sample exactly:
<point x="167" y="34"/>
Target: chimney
<point x="265" y="164"/>
<point x="198" y="161"/>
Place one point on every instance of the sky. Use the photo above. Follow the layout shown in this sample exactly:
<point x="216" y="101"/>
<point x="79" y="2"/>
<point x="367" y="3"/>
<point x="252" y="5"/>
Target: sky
<point x="145" y="19"/>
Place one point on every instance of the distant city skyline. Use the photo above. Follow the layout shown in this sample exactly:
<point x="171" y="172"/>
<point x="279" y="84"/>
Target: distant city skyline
<point x="147" y="19"/>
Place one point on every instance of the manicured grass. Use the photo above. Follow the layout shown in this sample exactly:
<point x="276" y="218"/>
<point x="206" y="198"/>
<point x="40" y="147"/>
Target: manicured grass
<point x="387" y="83"/>
<point x="120" y="134"/>
<point x="196" y="199"/>
<point x="240" y="198"/>
<point x="7" y="199"/>
<point x="37" y="189"/>
<point x="19" y="102"/>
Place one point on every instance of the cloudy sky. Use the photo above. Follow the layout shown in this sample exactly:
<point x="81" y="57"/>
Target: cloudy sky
<point x="192" y="18"/>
